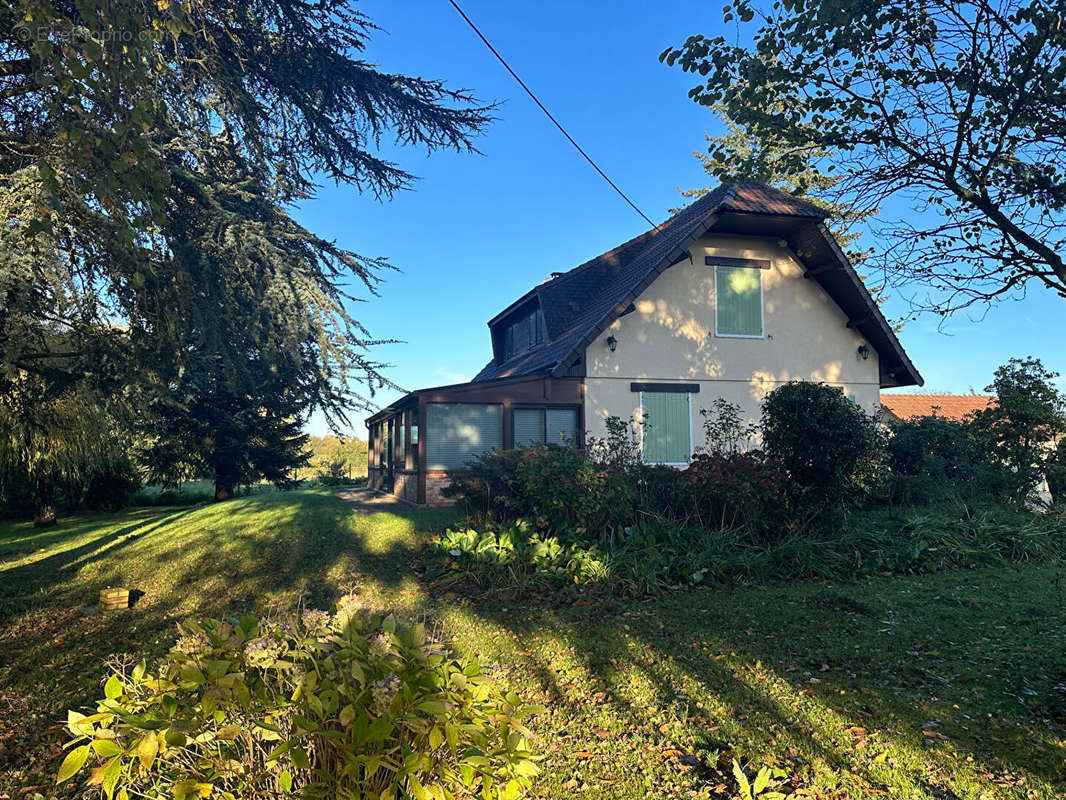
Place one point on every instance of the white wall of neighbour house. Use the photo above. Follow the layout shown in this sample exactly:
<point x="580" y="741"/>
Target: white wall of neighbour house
<point x="671" y="338"/>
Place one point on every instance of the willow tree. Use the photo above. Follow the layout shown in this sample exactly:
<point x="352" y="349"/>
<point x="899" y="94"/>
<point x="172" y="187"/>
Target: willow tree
<point x="954" y="107"/>
<point x="112" y="114"/>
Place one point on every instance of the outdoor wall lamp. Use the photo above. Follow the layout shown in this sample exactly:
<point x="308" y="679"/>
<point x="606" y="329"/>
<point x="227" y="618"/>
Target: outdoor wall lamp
<point x="612" y="343"/>
<point x="863" y="351"/>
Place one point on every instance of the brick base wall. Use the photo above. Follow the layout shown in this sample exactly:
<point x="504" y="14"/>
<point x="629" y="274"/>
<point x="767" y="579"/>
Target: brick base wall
<point x="374" y="478"/>
<point x="434" y="485"/>
<point x="405" y="486"/>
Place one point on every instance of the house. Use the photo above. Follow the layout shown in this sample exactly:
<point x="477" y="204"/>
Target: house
<point x="739" y="292"/>
<point x="955" y="407"/>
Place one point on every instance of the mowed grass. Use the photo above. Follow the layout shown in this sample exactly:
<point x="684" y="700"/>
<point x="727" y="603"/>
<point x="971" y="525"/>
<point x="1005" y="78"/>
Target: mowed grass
<point x="942" y="686"/>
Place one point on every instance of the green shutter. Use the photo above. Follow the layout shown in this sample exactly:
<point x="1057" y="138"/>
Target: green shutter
<point x="667" y="429"/>
<point x="739" y="301"/>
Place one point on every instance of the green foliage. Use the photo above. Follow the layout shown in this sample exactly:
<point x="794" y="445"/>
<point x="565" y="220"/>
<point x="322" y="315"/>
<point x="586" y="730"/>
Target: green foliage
<point x="759" y="786"/>
<point x="775" y="167"/>
<point x="933" y="459"/>
<point x="956" y="107"/>
<point x="66" y="449"/>
<point x="652" y="692"/>
<point x="630" y="562"/>
<point x="725" y="430"/>
<point x="648" y="560"/>
<point x="823" y="441"/>
<point x="1024" y="424"/>
<point x="335" y="459"/>
<point x="302" y="703"/>
<point x="152" y="153"/>
<point x="738" y="491"/>
<point x="559" y="486"/>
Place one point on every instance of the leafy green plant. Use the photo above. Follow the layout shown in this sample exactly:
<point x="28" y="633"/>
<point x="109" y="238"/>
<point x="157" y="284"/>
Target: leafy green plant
<point x="932" y="458"/>
<point x="725" y="430"/>
<point x="737" y="490"/>
<point x="822" y="440"/>
<point x="304" y="703"/>
<point x="1023" y="426"/>
<point x="757" y="788"/>
<point x="560" y="487"/>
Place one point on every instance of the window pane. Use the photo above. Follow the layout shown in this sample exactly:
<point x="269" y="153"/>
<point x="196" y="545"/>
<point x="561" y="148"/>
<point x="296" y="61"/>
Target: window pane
<point x="561" y="426"/>
<point x="528" y="426"/>
<point x="456" y="432"/>
<point x="739" y="301"/>
<point x="666" y="427"/>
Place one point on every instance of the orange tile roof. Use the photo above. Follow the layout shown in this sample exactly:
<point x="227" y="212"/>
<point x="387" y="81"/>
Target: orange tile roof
<point x="949" y="406"/>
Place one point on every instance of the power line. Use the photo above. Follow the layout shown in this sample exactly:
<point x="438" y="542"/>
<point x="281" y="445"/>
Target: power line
<point x="547" y="113"/>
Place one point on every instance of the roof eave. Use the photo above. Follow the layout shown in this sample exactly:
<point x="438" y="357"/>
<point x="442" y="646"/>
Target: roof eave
<point x="668" y="260"/>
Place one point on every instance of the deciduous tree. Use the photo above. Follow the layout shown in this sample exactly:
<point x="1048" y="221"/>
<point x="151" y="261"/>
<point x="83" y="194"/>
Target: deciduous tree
<point x="958" y="108"/>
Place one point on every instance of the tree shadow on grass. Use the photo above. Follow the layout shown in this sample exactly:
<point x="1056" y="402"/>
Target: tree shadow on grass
<point x="215" y="560"/>
<point x="31" y="582"/>
<point x="753" y="691"/>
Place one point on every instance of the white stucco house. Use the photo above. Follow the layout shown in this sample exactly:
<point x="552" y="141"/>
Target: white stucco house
<point x="739" y="292"/>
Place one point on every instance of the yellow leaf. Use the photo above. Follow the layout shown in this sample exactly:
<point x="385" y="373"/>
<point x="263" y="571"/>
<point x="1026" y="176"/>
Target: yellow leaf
<point x="73" y="762"/>
<point x="147" y="750"/>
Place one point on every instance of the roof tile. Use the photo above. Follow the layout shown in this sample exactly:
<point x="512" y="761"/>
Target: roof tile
<point x="948" y="406"/>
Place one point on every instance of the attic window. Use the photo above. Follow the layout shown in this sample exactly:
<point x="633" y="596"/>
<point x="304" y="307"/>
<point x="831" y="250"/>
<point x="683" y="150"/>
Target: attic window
<point x="524" y="334"/>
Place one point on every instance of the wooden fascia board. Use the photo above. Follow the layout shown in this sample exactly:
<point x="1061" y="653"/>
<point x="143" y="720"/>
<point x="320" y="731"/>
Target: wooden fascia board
<point x="873" y="310"/>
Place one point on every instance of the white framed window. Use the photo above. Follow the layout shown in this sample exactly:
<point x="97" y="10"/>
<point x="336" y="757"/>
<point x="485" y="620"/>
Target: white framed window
<point x="666" y="427"/>
<point x="738" y="306"/>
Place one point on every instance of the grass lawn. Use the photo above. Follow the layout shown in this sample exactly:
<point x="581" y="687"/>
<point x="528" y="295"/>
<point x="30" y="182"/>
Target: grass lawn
<point x="942" y="686"/>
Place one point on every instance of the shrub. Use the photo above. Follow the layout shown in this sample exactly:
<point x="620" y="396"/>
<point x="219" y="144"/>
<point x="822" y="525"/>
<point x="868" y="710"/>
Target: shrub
<point x="744" y="491"/>
<point x="822" y="440"/>
<point x="487" y="488"/>
<point x="620" y="449"/>
<point x="566" y="489"/>
<point x="305" y="704"/>
<point x="1029" y="415"/>
<point x="111" y="487"/>
<point x="649" y="560"/>
<point x="661" y="492"/>
<point x="725" y="430"/>
<point x="932" y="458"/>
<point x="559" y="486"/>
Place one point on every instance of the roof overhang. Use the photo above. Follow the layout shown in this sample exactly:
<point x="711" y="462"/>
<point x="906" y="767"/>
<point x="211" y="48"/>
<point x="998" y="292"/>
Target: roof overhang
<point x="822" y="259"/>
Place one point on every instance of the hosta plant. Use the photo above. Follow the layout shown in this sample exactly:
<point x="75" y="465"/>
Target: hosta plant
<point x="305" y="704"/>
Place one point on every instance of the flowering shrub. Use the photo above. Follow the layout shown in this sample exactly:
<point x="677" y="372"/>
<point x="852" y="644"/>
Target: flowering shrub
<point x="353" y="704"/>
<point x="566" y="489"/>
<point x="736" y="490"/>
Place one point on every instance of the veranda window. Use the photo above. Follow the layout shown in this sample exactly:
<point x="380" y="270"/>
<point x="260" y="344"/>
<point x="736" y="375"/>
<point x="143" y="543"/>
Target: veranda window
<point x="457" y="432"/>
<point x="545" y="426"/>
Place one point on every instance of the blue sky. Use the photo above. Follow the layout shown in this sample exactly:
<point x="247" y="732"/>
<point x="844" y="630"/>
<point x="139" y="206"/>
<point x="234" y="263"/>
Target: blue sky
<point x="477" y="230"/>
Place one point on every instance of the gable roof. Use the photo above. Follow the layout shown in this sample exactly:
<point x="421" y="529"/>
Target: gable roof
<point x="579" y="304"/>
<point x="946" y="406"/>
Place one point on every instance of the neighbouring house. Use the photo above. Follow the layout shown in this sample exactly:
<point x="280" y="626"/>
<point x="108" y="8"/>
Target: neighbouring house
<point x="956" y="407"/>
<point x="741" y="291"/>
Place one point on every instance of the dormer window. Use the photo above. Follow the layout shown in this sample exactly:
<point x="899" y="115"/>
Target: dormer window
<point x="524" y="334"/>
